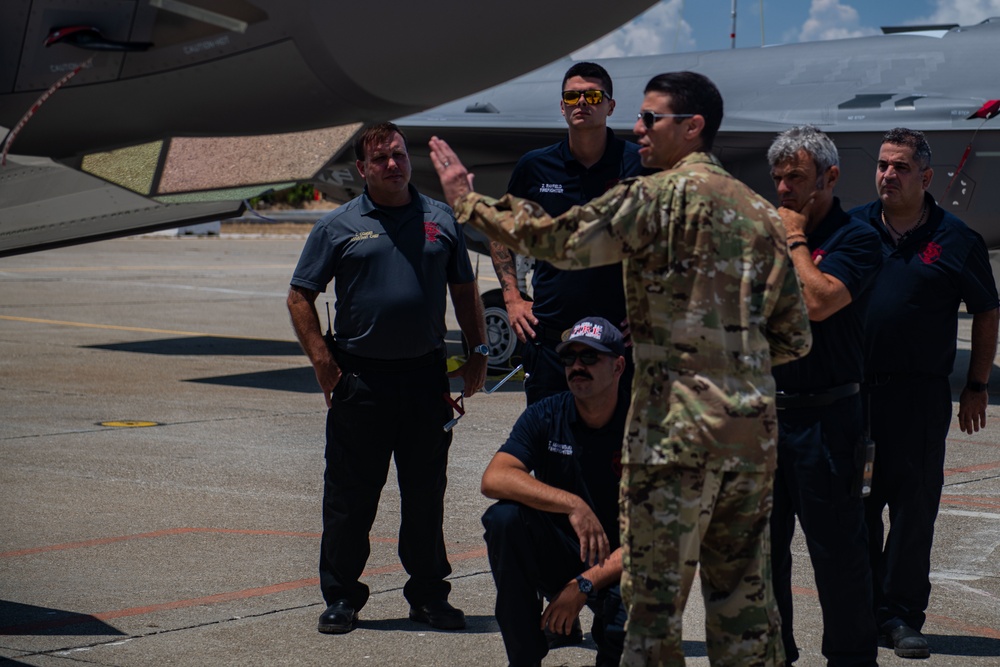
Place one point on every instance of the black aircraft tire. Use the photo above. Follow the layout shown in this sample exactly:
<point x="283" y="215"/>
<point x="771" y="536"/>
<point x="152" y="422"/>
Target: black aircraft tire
<point x="505" y="348"/>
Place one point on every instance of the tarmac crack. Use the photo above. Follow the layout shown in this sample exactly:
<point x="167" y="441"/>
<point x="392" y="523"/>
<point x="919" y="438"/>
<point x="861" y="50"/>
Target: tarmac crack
<point x="67" y="651"/>
<point x="988" y="478"/>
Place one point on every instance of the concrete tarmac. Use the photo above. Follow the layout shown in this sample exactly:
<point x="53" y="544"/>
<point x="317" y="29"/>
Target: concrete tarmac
<point x="161" y="460"/>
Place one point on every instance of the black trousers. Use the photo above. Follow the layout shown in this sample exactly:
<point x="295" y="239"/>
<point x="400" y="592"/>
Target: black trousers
<point x="375" y="415"/>
<point x="910" y="418"/>
<point x="534" y="554"/>
<point x="816" y="468"/>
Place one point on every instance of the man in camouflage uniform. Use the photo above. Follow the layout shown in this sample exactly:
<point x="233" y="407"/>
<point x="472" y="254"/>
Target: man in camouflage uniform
<point x="712" y="302"/>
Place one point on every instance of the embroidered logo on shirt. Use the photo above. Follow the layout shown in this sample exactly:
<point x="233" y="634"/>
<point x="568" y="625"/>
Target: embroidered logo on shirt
<point x="364" y="236"/>
<point x="560" y="448"/>
<point x="551" y="187"/>
<point x="930" y="252"/>
<point x="431" y="231"/>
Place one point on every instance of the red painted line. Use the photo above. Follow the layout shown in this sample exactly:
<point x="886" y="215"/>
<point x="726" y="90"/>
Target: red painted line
<point x="976" y="468"/>
<point x="167" y="533"/>
<point x="984" y="502"/>
<point x="79" y="619"/>
<point x="946" y="621"/>
<point x="972" y="630"/>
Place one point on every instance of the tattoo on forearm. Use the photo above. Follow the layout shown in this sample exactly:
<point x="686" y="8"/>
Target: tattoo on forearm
<point x="504" y="264"/>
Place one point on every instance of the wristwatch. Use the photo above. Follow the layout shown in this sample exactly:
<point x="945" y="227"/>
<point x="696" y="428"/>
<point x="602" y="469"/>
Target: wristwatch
<point x="586" y="585"/>
<point x="482" y="349"/>
<point x="976" y="386"/>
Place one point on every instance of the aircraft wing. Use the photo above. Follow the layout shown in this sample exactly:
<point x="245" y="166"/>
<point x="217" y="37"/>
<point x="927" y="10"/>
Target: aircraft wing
<point x="44" y="204"/>
<point x="160" y="79"/>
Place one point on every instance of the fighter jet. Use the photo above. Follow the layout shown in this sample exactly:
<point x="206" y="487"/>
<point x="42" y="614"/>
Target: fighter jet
<point x="939" y="79"/>
<point x="100" y="101"/>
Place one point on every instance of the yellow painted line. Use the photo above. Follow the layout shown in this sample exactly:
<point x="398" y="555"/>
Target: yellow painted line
<point x="199" y="267"/>
<point x="85" y="325"/>
<point x="128" y="424"/>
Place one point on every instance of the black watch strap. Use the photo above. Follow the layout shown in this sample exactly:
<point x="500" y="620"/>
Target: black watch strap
<point x="977" y="386"/>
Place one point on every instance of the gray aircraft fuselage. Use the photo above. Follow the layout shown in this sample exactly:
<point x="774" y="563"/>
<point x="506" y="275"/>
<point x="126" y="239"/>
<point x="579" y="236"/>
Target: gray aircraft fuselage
<point x="853" y="89"/>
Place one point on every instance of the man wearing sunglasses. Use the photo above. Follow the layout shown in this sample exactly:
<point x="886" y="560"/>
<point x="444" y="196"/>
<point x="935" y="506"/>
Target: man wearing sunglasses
<point x="837" y="258"/>
<point x="556" y="533"/>
<point x="713" y="304"/>
<point x="583" y="166"/>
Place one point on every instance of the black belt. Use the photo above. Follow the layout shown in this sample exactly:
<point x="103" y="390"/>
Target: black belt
<point x="881" y="379"/>
<point x="547" y="335"/>
<point x="353" y="362"/>
<point x="815" y="399"/>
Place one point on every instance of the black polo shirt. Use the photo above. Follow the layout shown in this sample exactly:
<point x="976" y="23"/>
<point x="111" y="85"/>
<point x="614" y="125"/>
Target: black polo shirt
<point x="552" y="177"/>
<point x="562" y="451"/>
<point x="913" y="313"/>
<point x="852" y="253"/>
<point x="391" y="267"/>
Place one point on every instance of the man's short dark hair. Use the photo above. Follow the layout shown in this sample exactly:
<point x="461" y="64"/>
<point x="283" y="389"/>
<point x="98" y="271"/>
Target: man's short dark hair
<point x="913" y="139"/>
<point x="374" y="135"/>
<point x="590" y="71"/>
<point x="692" y="93"/>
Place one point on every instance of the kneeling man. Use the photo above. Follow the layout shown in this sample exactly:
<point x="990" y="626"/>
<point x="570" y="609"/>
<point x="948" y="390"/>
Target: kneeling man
<point x="555" y="534"/>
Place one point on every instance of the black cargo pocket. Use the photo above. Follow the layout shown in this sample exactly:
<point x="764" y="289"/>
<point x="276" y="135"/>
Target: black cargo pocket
<point x="347" y="387"/>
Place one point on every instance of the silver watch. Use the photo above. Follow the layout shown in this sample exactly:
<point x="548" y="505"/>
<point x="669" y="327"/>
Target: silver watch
<point x="482" y="349"/>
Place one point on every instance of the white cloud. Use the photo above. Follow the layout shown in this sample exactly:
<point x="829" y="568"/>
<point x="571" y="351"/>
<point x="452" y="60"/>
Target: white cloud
<point x="829" y="19"/>
<point x="962" y="12"/>
<point x="660" y="29"/>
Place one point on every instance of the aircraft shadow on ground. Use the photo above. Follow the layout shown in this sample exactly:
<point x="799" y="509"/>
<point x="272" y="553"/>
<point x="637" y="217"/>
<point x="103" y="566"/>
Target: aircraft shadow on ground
<point x="964" y="645"/>
<point x="25" y="619"/>
<point x="207" y="345"/>
<point x="299" y="380"/>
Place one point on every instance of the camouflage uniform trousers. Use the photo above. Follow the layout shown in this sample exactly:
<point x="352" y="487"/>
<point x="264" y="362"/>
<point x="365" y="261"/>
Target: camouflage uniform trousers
<point x="675" y="517"/>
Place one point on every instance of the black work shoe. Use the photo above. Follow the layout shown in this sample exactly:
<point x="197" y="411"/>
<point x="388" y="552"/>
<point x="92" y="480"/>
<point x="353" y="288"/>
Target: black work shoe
<point x="557" y="640"/>
<point x="439" y="614"/>
<point x="338" y="618"/>
<point x="905" y="641"/>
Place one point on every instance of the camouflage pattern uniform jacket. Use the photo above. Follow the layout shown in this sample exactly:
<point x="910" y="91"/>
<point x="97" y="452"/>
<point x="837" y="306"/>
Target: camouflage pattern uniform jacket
<point x="713" y="301"/>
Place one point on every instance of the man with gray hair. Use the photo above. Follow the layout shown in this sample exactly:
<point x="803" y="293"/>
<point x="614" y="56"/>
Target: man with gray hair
<point x="819" y="405"/>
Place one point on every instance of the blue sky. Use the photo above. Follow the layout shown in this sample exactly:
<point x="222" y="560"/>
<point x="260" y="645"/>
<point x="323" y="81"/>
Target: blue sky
<point x="673" y="26"/>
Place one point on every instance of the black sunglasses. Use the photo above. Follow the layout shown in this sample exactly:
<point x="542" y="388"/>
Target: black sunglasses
<point x="572" y="97"/>
<point x="586" y="357"/>
<point x="649" y="118"/>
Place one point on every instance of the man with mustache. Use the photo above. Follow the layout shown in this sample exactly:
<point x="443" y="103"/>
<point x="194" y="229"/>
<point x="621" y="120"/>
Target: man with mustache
<point x="556" y="533"/>
<point x="837" y="259"/>
<point x="931" y="263"/>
